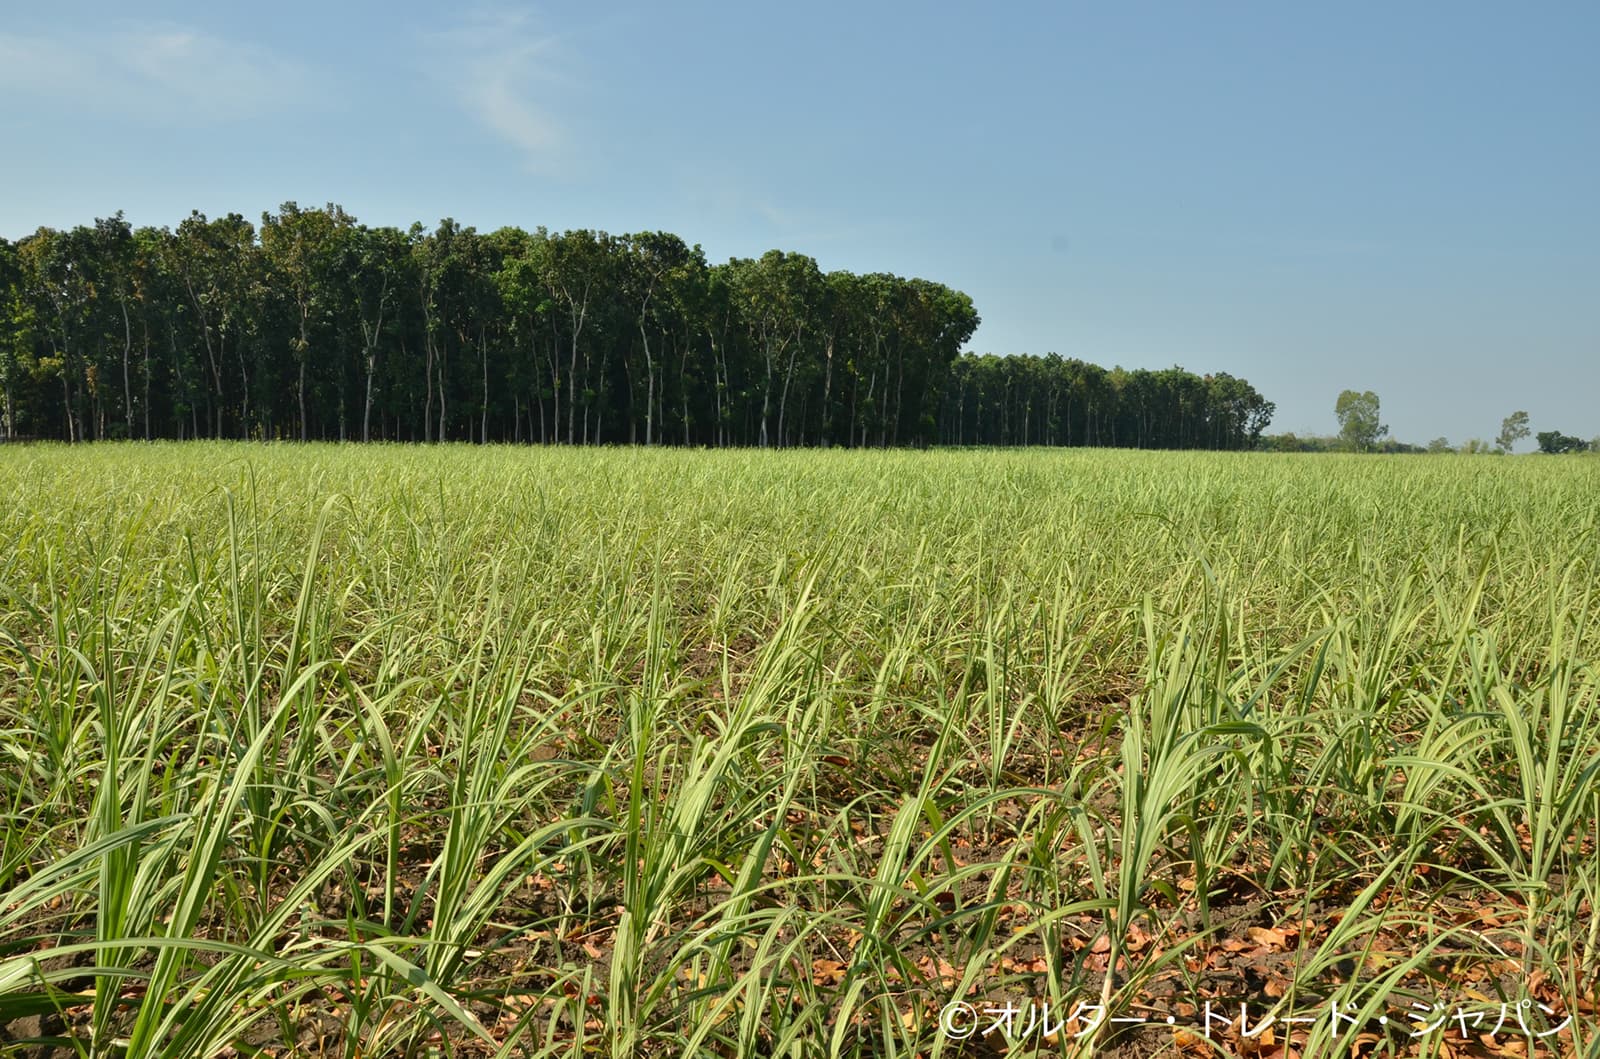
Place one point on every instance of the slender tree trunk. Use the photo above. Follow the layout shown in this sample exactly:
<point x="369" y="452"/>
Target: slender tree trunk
<point x="650" y="386"/>
<point x="371" y="334"/>
<point x="179" y="384"/>
<point x="127" y="378"/>
<point x="305" y="355"/>
<point x="66" y="407"/>
<point x="899" y="390"/>
<point x="427" y="413"/>
<point x="719" y="383"/>
<point x="633" y="403"/>
<point x="578" y="313"/>
<point x="783" y="399"/>
<point x="872" y="385"/>
<point x="366" y="405"/>
<point x="855" y="404"/>
<point x="649" y="367"/>
<point x="244" y="381"/>
<point x="146" y="407"/>
<point x="572" y="392"/>
<point x="214" y="401"/>
<point x="555" y="384"/>
<point x="766" y="392"/>
<point x="827" y="396"/>
<point x="442" y="411"/>
<point x="683" y="385"/>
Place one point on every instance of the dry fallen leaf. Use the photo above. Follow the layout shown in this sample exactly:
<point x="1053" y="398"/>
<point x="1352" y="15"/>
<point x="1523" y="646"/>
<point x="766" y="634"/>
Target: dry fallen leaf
<point x="1275" y="940"/>
<point x="939" y="968"/>
<point x="826" y="972"/>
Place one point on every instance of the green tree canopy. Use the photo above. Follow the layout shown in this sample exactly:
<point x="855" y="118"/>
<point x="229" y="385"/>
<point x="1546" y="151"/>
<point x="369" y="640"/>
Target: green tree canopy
<point x="1554" y="442"/>
<point x="314" y="326"/>
<point x="1359" y="427"/>
<point x="1512" y="430"/>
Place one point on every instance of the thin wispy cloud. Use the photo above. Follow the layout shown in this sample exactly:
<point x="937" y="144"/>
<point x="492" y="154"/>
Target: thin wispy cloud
<point x="501" y="70"/>
<point x="770" y="211"/>
<point x="157" y="72"/>
<point x="812" y="227"/>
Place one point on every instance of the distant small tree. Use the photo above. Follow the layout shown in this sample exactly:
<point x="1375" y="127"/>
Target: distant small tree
<point x="1475" y="447"/>
<point x="1513" y="428"/>
<point x="1439" y="445"/>
<point x="1555" y="442"/>
<point x="1359" y="427"/>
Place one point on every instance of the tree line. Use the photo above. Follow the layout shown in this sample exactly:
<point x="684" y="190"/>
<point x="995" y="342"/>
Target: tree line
<point x="311" y="325"/>
<point x="1052" y="400"/>
<point x="1360" y="430"/>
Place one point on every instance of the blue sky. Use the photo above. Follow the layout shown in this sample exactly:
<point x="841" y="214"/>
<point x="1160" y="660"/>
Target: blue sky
<point x="1396" y="197"/>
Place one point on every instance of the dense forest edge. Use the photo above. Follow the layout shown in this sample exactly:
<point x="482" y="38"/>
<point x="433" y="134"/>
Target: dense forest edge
<point x="314" y="326"/>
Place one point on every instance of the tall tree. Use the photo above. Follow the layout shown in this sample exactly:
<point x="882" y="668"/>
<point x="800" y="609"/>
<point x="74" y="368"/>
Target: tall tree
<point x="777" y="296"/>
<point x="656" y="263"/>
<point x="378" y="261"/>
<point x="1359" y="427"/>
<point x="216" y="261"/>
<point x="579" y="269"/>
<point x="1553" y="442"/>
<point x="530" y="323"/>
<point x="1513" y="428"/>
<point x="106" y="257"/>
<point x="57" y="281"/>
<point x="15" y="338"/>
<point x="303" y="249"/>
